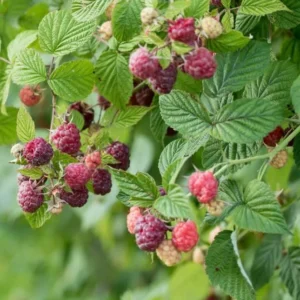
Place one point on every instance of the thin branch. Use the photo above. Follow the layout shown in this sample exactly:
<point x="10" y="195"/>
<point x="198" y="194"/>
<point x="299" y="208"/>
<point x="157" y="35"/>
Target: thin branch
<point x="5" y="60"/>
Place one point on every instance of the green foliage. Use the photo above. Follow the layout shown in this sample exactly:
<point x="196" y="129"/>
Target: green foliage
<point x="32" y="173"/>
<point x="8" y="133"/>
<point x="25" y="126"/>
<point x="261" y="7"/>
<point x="38" y="218"/>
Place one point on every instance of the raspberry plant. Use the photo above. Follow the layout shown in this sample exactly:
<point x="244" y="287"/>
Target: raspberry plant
<point x="212" y="72"/>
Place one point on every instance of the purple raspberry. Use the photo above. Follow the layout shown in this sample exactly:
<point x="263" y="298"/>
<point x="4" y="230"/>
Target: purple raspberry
<point x="76" y="198"/>
<point x="85" y="110"/>
<point x="120" y="152"/>
<point x="101" y="182"/>
<point x="77" y="175"/>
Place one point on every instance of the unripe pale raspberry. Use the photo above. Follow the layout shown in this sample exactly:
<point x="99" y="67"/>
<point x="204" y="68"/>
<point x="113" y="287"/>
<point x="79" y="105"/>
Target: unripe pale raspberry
<point x="30" y="197"/>
<point x="185" y="236"/>
<point x="93" y="160"/>
<point x="163" y="81"/>
<point x="106" y="31"/>
<point x="17" y="150"/>
<point x="101" y="180"/>
<point x="143" y="64"/>
<point x="120" y="152"/>
<point x="66" y="138"/>
<point x="203" y="185"/>
<point x="215" y="207"/>
<point x="76" y="198"/>
<point x="148" y="15"/>
<point x="104" y="103"/>
<point x="217" y="3"/>
<point x="149" y="232"/>
<point x="274" y="137"/>
<point x="110" y="8"/>
<point x="57" y="208"/>
<point x="168" y="254"/>
<point x="198" y="256"/>
<point x="85" y="110"/>
<point x="211" y="27"/>
<point x="38" y="152"/>
<point x="279" y="160"/>
<point x="214" y="233"/>
<point x="200" y="64"/>
<point x="132" y="217"/>
<point x="31" y="96"/>
<point x="142" y="97"/>
<point x="77" y="175"/>
<point x="182" y="30"/>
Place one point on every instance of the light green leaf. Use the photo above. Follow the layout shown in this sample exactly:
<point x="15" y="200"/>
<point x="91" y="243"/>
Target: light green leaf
<point x="181" y="48"/>
<point x="61" y="34"/>
<point x="246" y="120"/>
<point x="73" y="80"/>
<point x="214" y="104"/>
<point x="5" y="82"/>
<point x="187" y="83"/>
<point x="38" y="218"/>
<point x="100" y="139"/>
<point x="28" y="68"/>
<point x="224" y="267"/>
<point x="126" y="20"/>
<point x="197" y="8"/>
<point x="115" y="80"/>
<point x="295" y="94"/>
<point x="177" y="7"/>
<point x="32" y="173"/>
<point x="25" y="126"/>
<point x="8" y="123"/>
<point x="107" y="159"/>
<point x="77" y="118"/>
<point x="226" y="3"/>
<point x="261" y="7"/>
<point x="151" y="38"/>
<point x="63" y="159"/>
<point x="228" y="21"/>
<point x="34" y="15"/>
<point x="164" y="55"/>
<point x="246" y="23"/>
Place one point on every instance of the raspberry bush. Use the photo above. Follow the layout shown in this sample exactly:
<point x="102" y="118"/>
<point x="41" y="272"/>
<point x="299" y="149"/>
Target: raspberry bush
<point x="102" y="86"/>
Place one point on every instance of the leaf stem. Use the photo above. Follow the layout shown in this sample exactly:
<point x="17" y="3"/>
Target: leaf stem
<point x="5" y="60"/>
<point x="139" y="86"/>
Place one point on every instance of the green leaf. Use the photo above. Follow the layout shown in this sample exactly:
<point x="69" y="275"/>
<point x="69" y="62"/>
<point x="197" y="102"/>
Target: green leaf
<point x="226" y="3"/>
<point x="33" y="16"/>
<point x="126" y="20"/>
<point x="261" y="7"/>
<point x="21" y="41"/>
<point x="197" y="8"/>
<point x="295" y="94"/>
<point x="115" y="80"/>
<point x="88" y="10"/>
<point x="228" y="21"/>
<point x="275" y="84"/>
<point x="73" y="80"/>
<point x="246" y="23"/>
<point x="8" y="133"/>
<point x="214" y="104"/>
<point x="5" y="82"/>
<point x="61" y="34"/>
<point x="28" y="68"/>
<point x="246" y="120"/>
<point x="180" y="111"/>
<point x="296" y="150"/>
<point x="228" y="42"/>
<point x="255" y="207"/>
<point x="100" y="139"/>
<point x="177" y="7"/>
<point x="77" y="118"/>
<point x="124" y="199"/>
<point x="107" y="159"/>
<point x="267" y="258"/>
<point x="63" y="159"/>
<point x="187" y="83"/>
<point x="290" y="271"/>
<point x="164" y="56"/>
<point x="181" y="48"/>
<point x="174" y="204"/>
<point x="224" y="267"/>
<point x="38" y="218"/>
<point x="32" y="173"/>
<point x="25" y="126"/>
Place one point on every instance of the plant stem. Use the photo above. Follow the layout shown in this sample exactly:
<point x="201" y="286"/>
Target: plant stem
<point x="5" y="60"/>
<point x="53" y="115"/>
<point x="139" y="86"/>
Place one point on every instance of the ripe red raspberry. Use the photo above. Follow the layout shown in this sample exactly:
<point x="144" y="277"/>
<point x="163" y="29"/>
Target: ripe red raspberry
<point x="200" y="64"/>
<point x="77" y="175"/>
<point x="203" y="185"/>
<point x="132" y="217"/>
<point x="30" y="197"/>
<point x="168" y="254"/>
<point x="76" y="198"/>
<point x="101" y="182"/>
<point x="66" y="138"/>
<point x="142" y="97"/>
<point x="30" y="96"/>
<point x="217" y="3"/>
<point x="93" y="160"/>
<point x="279" y="160"/>
<point x="143" y="64"/>
<point x="38" y="152"/>
<point x="185" y="236"/>
<point x="162" y="82"/>
<point x="182" y="30"/>
<point x="211" y="27"/>
<point x="85" y="110"/>
<point x="104" y="104"/>
<point x="121" y="153"/>
<point x="274" y="137"/>
<point x="149" y="232"/>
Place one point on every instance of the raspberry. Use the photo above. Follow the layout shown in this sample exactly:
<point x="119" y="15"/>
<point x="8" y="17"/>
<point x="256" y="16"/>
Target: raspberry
<point x="30" y="96"/>
<point x="182" y="30"/>
<point x="217" y="3"/>
<point x="200" y="64"/>
<point x="104" y="104"/>
<point x="168" y="254"/>
<point x="93" y="160"/>
<point x="121" y="153"/>
<point x="77" y="175"/>
<point x="132" y="217"/>
<point x="30" y="197"/>
<point x="203" y="185"/>
<point x="57" y="208"/>
<point x="142" y="64"/>
<point x="101" y="182"/>
<point x="162" y="191"/>
<point x="274" y="137"/>
<point x="76" y="198"/>
<point x="149" y="232"/>
<point x="163" y="81"/>
<point x="110" y="8"/>
<point x="211" y="27"/>
<point x="85" y="110"/>
<point x="215" y="207"/>
<point x="66" y="138"/>
<point x="198" y="256"/>
<point x="148" y="15"/>
<point x="142" y="97"/>
<point x="38" y="152"/>
<point x="17" y="150"/>
<point x="171" y="131"/>
<point x="214" y="233"/>
<point x="105" y="30"/>
<point x="185" y="236"/>
<point x="279" y="160"/>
